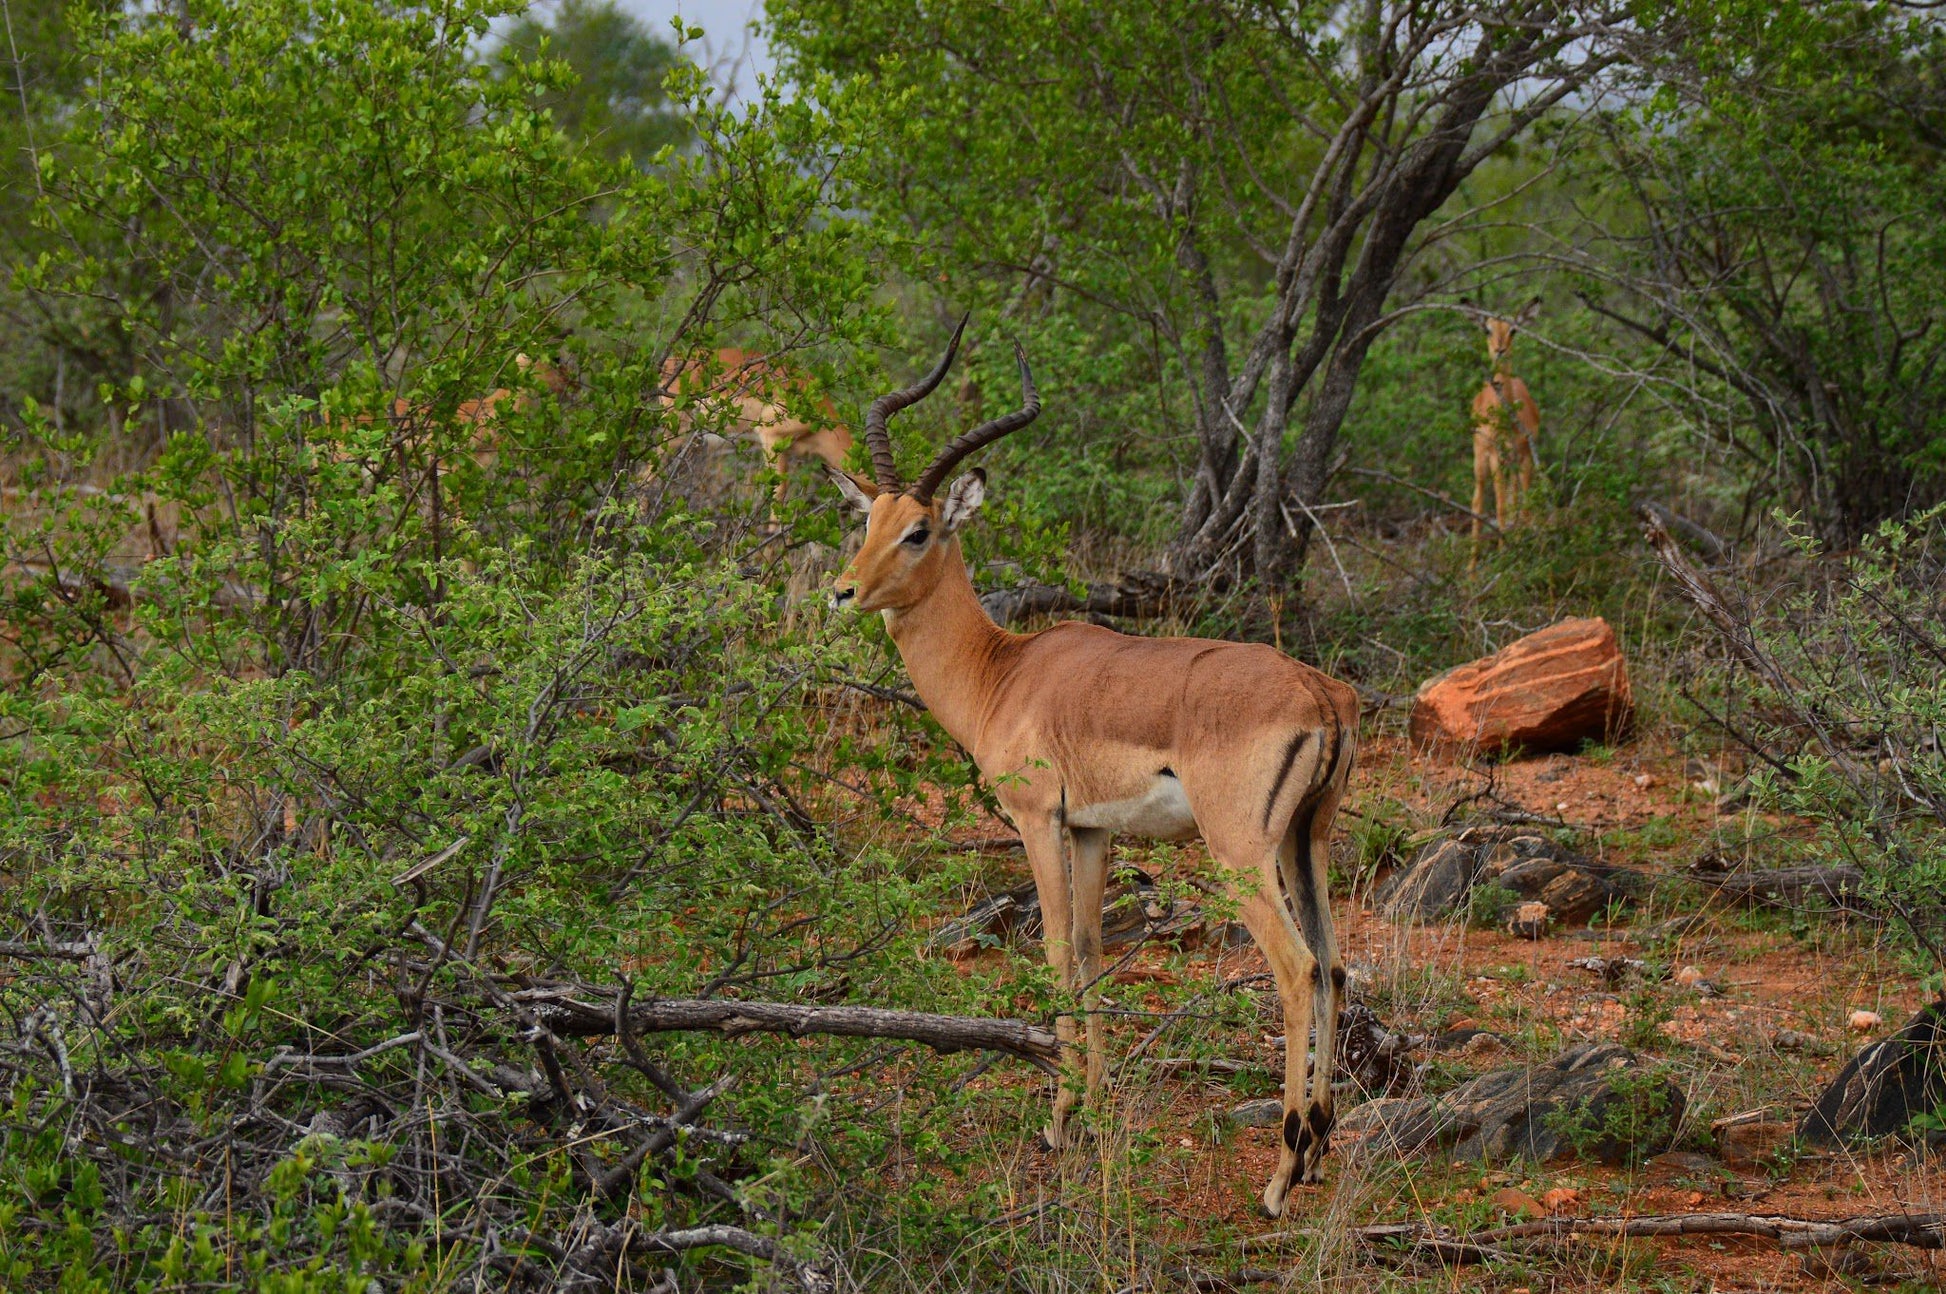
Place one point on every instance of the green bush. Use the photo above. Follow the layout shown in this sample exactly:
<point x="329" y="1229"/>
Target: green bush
<point x="1838" y="692"/>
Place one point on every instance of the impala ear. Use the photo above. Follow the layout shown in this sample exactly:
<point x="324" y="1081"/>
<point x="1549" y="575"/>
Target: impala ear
<point x="963" y="500"/>
<point x="858" y="491"/>
<point x="1528" y="313"/>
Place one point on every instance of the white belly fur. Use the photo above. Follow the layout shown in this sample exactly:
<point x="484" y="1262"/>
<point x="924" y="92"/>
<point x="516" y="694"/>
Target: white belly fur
<point x="1160" y="813"/>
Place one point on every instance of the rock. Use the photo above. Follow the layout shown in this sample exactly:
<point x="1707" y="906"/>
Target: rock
<point x="1562" y="1199"/>
<point x="1576" y="895"/>
<point x="1689" y="977"/>
<point x="1441" y="877"/>
<point x="1673" y="1165"/>
<point x="1467" y="1038"/>
<point x="1532" y="875"/>
<point x="1882" y="1088"/>
<point x="1744" y="1146"/>
<point x="1517" y="1203"/>
<point x="1501" y="856"/>
<point x="1132" y="908"/>
<point x="1864" y="1021"/>
<point x="1611" y="970"/>
<point x="1621" y="1110"/>
<point x="1551" y="690"/>
<point x="1795" y="1040"/>
<point x="1530" y="920"/>
<point x="1435" y="885"/>
<point x="1838" y="1264"/>
<point x="1265" y="1113"/>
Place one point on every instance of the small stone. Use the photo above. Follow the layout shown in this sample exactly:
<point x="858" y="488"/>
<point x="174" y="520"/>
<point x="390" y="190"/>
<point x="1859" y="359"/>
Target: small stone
<point x="1517" y="1203"/>
<point x="1612" y="970"/>
<point x="1530" y="920"/>
<point x="1795" y="1040"/>
<point x="1643" y="781"/>
<point x="1265" y="1113"/>
<point x="1829" y="1264"/>
<point x="1674" y="1165"/>
<point x="1864" y="1021"/>
<point x="1562" y="1199"/>
<point x="1689" y="977"/>
<point x="1745" y="1145"/>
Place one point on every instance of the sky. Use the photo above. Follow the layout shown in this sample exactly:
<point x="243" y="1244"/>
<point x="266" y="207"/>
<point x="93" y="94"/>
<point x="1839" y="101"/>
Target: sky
<point x="732" y="53"/>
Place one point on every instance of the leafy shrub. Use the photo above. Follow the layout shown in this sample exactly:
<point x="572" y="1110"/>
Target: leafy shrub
<point x="1838" y="693"/>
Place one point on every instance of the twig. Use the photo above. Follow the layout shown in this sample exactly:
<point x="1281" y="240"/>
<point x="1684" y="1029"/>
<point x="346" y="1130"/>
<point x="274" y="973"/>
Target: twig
<point x="622" y="1176"/>
<point x="744" y="1242"/>
<point x="1920" y="1230"/>
<point x="75" y="952"/>
<point x="1376" y="475"/>
<point x="567" y="1016"/>
<point x="884" y="693"/>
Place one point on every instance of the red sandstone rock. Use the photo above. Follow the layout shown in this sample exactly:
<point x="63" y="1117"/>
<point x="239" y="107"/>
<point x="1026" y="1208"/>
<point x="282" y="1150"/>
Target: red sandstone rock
<point x="1549" y="691"/>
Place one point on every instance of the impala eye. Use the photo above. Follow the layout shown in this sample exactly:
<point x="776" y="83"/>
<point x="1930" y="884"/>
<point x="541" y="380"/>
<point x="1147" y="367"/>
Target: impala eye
<point x="917" y="538"/>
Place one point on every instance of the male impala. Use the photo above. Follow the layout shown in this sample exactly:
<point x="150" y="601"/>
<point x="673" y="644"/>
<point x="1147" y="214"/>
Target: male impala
<point x="763" y="398"/>
<point x="1084" y="732"/>
<point x="1505" y="423"/>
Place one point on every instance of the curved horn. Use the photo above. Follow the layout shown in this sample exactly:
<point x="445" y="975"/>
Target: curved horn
<point x="877" y="439"/>
<point x="985" y="434"/>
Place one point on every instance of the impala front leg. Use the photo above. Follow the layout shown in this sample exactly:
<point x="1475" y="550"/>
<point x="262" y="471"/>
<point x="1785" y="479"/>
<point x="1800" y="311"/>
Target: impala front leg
<point x="1045" y="840"/>
<point x="1483" y="470"/>
<point x="1088" y="866"/>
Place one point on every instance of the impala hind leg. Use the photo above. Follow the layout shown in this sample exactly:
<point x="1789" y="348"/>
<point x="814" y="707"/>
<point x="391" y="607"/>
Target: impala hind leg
<point x="1268" y="919"/>
<point x="1525" y="477"/>
<point x="1501" y="493"/>
<point x="1304" y="858"/>
<point x="1044" y="839"/>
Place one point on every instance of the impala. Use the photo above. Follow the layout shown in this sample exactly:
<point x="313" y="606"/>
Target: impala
<point x="478" y="417"/>
<point x="1084" y="733"/>
<point x="760" y="397"/>
<point x="1505" y="423"/>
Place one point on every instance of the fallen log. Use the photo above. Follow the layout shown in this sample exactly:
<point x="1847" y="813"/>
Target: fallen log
<point x="1920" y="1230"/>
<point x="1140" y="593"/>
<point x="564" y="1011"/>
<point x="1840" y="885"/>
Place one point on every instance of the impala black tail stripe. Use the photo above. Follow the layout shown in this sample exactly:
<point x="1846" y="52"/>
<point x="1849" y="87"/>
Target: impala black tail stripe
<point x="1283" y="774"/>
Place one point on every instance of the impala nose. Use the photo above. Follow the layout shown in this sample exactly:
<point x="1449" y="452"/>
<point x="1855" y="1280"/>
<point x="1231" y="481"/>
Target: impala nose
<point x="843" y="594"/>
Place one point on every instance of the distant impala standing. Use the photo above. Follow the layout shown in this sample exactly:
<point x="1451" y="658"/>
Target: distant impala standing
<point x="1083" y="732"/>
<point x="1505" y="423"/>
<point x="764" y="398"/>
